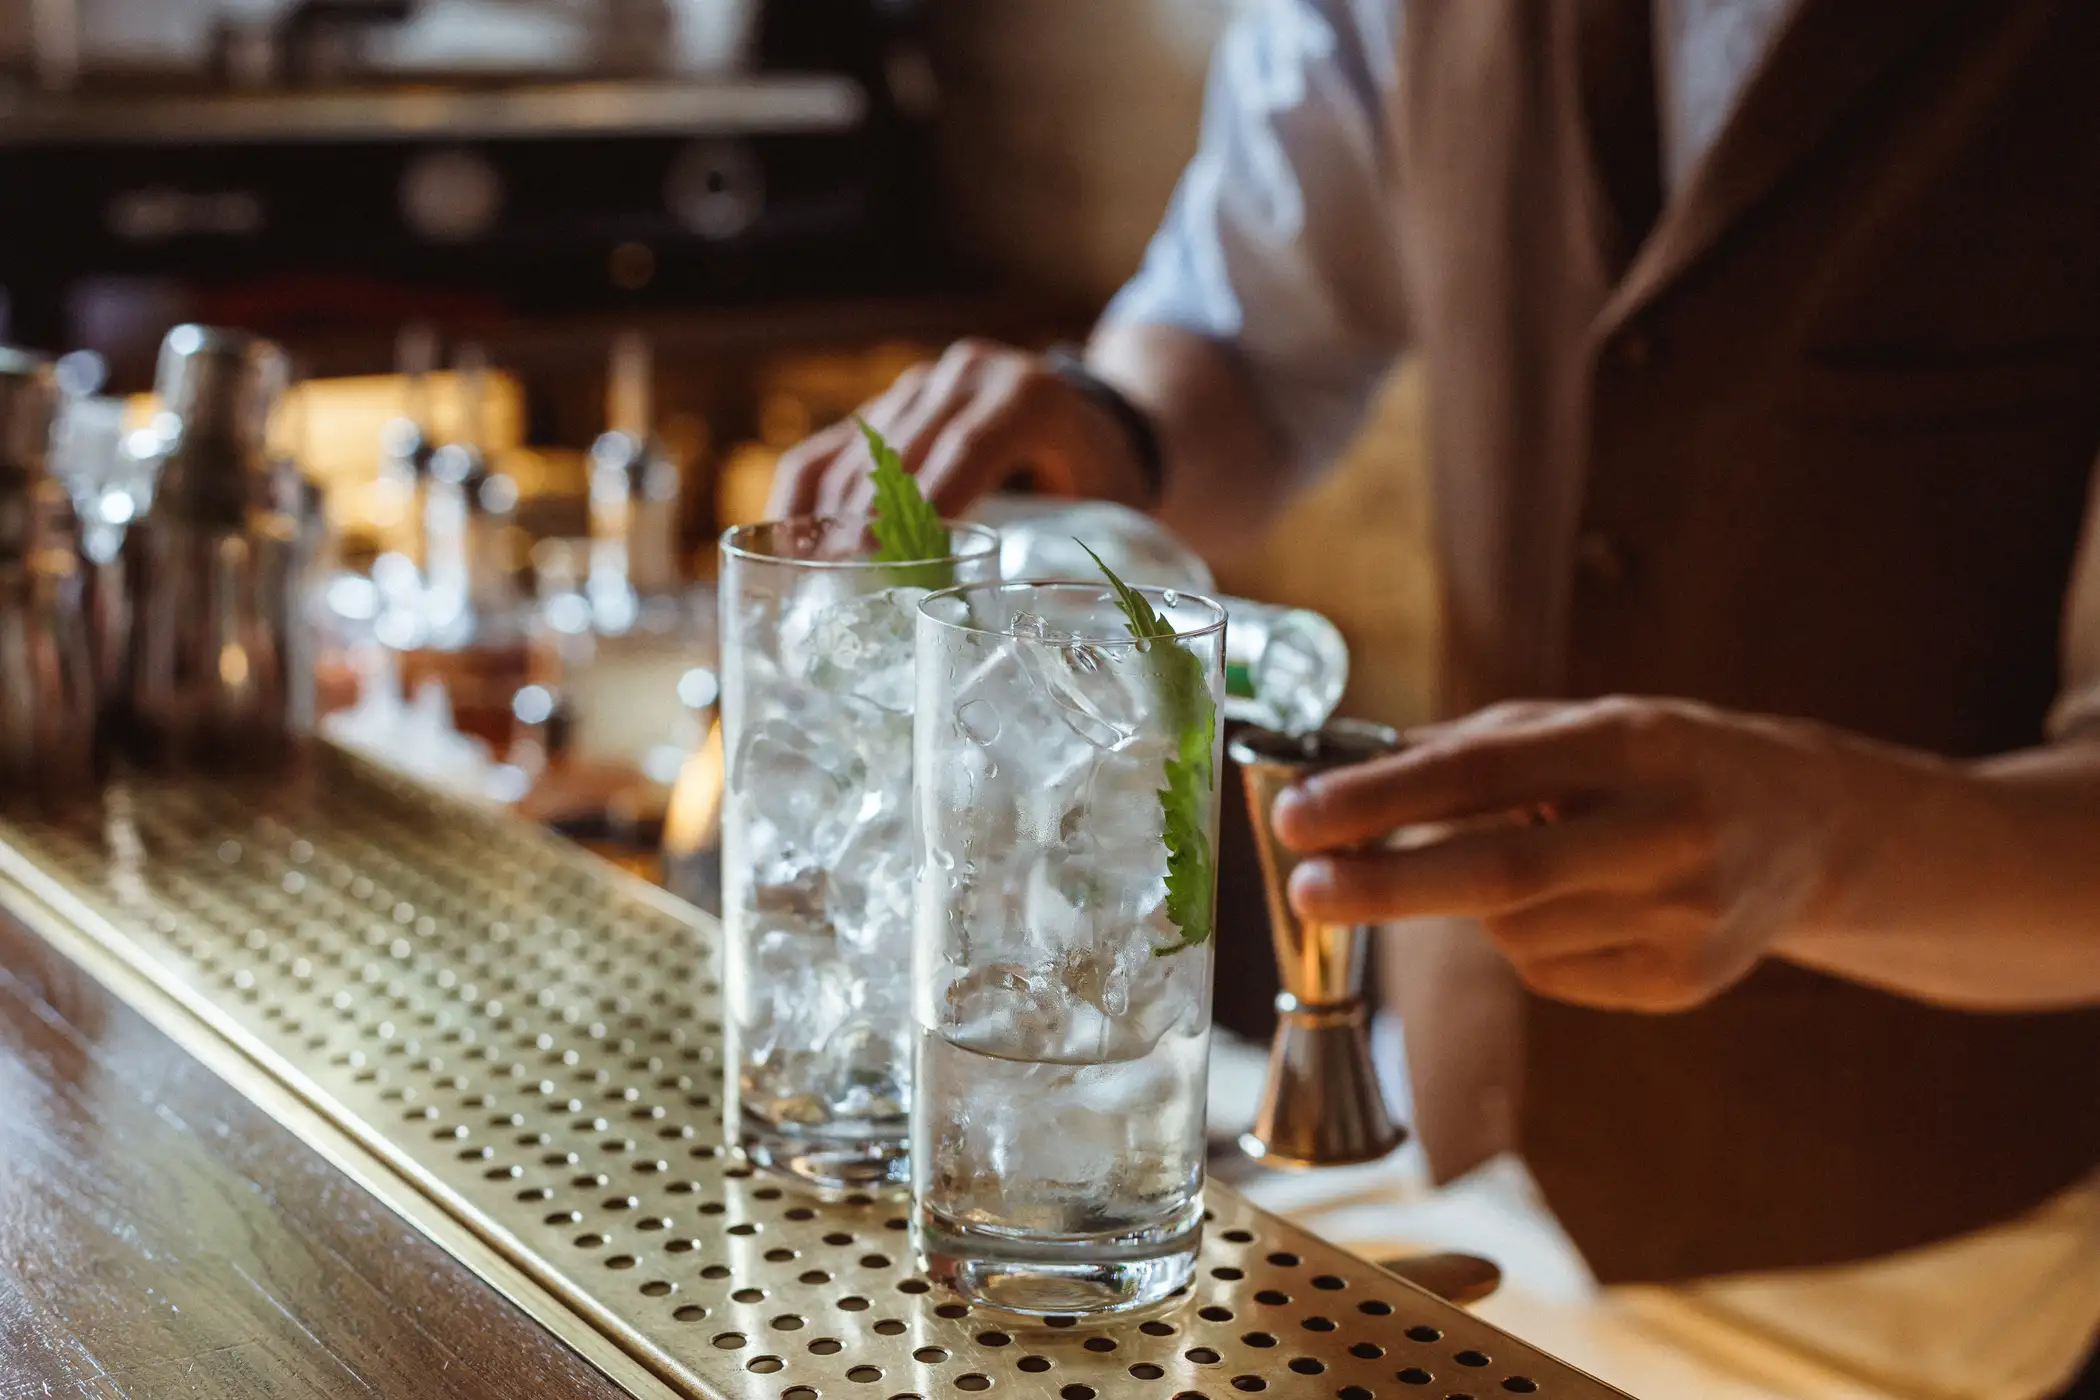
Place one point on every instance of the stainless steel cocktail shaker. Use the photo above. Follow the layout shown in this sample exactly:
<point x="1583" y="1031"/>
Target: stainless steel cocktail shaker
<point x="47" y="682"/>
<point x="221" y="671"/>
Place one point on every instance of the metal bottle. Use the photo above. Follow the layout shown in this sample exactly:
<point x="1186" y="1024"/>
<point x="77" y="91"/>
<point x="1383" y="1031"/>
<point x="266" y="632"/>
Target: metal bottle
<point x="47" y="683"/>
<point x="221" y="669"/>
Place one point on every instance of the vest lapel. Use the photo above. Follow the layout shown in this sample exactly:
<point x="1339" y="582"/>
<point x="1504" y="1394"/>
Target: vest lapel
<point x="1828" y="57"/>
<point x="1611" y="46"/>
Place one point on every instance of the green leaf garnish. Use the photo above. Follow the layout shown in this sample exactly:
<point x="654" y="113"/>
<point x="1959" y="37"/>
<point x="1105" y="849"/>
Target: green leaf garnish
<point x="1186" y="701"/>
<point x="907" y="530"/>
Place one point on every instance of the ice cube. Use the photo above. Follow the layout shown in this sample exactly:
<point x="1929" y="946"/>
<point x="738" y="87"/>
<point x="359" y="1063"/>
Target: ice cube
<point x="1059" y="900"/>
<point x="799" y="625"/>
<point x="852" y="643"/>
<point x="1127" y="1089"/>
<point x="1071" y="1010"/>
<point x="1171" y="994"/>
<point x="784" y="774"/>
<point x="788" y="891"/>
<point x="885" y="676"/>
<point x="879" y="740"/>
<point x="1122" y="814"/>
<point x="978" y="721"/>
<point x="863" y="1065"/>
<point x="798" y="991"/>
<point x="871" y="882"/>
<point x="1015" y="764"/>
<point x="1104" y="694"/>
<point x="1001" y="1009"/>
<point x="1099" y="879"/>
<point x="985" y="681"/>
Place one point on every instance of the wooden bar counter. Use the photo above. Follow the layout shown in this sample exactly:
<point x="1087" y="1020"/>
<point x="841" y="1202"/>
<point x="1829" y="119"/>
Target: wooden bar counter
<point x="161" y="1235"/>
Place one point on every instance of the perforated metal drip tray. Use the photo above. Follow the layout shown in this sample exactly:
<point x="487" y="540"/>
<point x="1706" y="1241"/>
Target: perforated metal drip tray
<point x="529" y="1037"/>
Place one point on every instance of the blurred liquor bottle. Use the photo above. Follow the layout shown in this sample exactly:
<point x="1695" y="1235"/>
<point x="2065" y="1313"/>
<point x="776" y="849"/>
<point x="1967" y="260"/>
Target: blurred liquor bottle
<point x="468" y="628"/>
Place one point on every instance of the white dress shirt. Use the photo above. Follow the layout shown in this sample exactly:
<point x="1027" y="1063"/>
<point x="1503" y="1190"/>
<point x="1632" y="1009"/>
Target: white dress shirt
<point x="1282" y="240"/>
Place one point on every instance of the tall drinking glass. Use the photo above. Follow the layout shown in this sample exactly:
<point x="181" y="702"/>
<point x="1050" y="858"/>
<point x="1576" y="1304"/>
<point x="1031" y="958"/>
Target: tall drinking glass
<point x="1062" y="961"/>
<point x="817" y="843"/>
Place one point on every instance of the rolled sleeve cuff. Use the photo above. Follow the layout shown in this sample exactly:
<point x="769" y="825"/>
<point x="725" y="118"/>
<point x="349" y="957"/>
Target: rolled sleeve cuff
<point x="1315" y="396"/>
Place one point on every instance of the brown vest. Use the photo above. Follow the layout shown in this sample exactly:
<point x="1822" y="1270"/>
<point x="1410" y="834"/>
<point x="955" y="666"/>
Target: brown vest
<point x="1819" y="445"/>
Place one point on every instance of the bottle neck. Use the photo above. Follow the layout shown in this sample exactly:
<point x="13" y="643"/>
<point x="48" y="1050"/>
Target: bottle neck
<point x="488" y="572"/>
<point x="634" y="520"/>
<point x="1285" y="668"/>
<point x="1247" y="628"/>
<point x="466" y="570"/>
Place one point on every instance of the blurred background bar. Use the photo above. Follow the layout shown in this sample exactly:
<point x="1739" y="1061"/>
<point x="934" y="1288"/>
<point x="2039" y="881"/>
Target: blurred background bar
<point x="561" y="279"/>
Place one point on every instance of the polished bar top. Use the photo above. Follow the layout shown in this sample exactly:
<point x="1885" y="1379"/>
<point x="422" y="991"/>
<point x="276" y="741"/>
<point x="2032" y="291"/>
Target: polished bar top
<point x="160" y="1235"/>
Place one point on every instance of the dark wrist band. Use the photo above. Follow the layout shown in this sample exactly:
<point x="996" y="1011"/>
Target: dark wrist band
<point x="1067" y="363"/>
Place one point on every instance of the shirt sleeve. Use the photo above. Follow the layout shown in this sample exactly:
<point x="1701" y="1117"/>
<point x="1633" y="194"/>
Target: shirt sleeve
<point x="1281" y="237"/>
<point x="2077" y="712"/>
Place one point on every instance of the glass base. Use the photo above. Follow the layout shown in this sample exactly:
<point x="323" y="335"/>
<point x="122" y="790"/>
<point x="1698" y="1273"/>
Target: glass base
<point x="1060" y="1276"/>
<point x="828" y="1163"/>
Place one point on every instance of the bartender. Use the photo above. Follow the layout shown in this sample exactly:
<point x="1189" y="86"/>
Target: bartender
<point x="1763" y="349"/>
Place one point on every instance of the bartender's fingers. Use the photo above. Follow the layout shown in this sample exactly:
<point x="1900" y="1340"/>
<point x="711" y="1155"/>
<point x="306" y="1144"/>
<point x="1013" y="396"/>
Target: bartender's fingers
<point x="799" y="474"/>
<point x="848" y="486"/>
<point x="966" y="372"/>
<point x="1506" y="714"/>
<point x="1490" y="871"/>
<point x="980" y="450"/>
<point x="1641" y="977"/>
<point x="1571" y="925"/>
<point x="916" y="405"/>
<point x="848" y="489"/>
<point x="1449" y="779"/>
<point x="811" y="476"/>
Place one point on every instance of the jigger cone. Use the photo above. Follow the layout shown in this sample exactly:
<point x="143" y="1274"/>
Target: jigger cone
<point x="1323" y="1105"/>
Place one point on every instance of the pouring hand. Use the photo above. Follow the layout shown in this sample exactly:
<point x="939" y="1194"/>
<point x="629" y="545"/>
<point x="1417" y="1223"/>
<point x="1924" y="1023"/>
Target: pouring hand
<point x="966" y="424"/>
<point x="1678" y="843"/>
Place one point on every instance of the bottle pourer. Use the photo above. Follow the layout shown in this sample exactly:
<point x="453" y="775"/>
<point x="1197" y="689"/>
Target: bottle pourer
<point x="1323" y="1105"/>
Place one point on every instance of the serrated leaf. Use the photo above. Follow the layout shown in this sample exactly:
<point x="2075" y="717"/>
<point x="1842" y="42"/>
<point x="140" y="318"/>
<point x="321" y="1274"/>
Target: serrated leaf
<point x="1191" y="876"/>
<point x="1141" y="622"/>
<point x="907" y="529"/>
<point x="1186" y="703"/>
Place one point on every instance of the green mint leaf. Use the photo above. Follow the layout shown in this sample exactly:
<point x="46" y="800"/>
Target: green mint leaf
<point x="907" y="530"/>
<point x="1191" y="873"/>
<point x="1186" y="702"/>
<point x="1143" y="623"/>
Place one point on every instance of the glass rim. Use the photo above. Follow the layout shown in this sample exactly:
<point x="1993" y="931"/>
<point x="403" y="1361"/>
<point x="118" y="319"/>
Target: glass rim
<point x="1097" y="586"/>
<point x="733" y="545"/>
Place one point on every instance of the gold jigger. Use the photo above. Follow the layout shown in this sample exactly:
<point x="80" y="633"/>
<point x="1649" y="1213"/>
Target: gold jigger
<point x="1323" y="1106"/>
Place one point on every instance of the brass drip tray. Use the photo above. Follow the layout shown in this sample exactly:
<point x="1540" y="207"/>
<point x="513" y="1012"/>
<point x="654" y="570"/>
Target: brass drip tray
<point x="529" y="1039"/>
